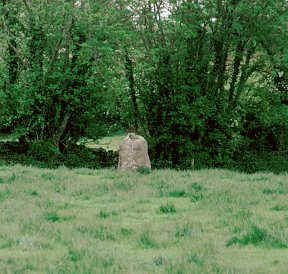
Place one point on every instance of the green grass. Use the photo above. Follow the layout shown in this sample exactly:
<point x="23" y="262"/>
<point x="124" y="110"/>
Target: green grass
<point x="7" y="138"/>
<point x="105" y="221"/>
<point x="107" y="143"/>
<point x="169" y="208"/>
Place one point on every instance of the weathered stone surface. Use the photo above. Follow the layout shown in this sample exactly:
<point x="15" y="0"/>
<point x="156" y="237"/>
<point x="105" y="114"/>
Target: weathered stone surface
<point x="133" y="153"/>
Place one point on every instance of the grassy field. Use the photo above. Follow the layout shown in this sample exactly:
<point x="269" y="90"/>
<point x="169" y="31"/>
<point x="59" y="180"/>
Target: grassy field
<point x="105" y="221"/>
<point x="107" y="143"/>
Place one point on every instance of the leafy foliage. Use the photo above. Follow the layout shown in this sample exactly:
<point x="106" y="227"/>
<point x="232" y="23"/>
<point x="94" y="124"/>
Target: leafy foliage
<point x="59" y="83"/>
<point x="204" y="82"/>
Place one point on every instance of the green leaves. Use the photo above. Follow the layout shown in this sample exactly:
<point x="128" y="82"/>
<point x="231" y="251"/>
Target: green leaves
<point x="63" y="49"/>
<point x="182" y="73"/>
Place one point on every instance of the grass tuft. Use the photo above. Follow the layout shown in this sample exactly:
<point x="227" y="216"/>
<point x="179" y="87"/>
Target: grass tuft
<point x="5" y="194"/>
<point x="6" y="243"/>
<point x="176" y="193"/>
<point x="159" y="261"/>
<point x="280" y="208"/>
<point x="169" y="208"/>
<point x="254" y="236"/>
<point x="143" y="170"/>
<point x="74" y="255"/>
<point x="103" y="233"/>
<point x="126" y="232"/>
<point x="52" y="217"/>
<point x="257" y="236"/>
<point x="103" y="214"/>
<point x="183" y="231"/>
<point x="197" y="187"/>
<point x="31" y="192"/>
<point x="196" y="259"/>
<point x="270" y="191"/>
<point x="11" y="178"/>
<point x="198" y="192"/>
<point x="107" y="262"/>
<point x="146" y="240"/>
<point x="123" y="185"/>
<point x="48" y="176"/>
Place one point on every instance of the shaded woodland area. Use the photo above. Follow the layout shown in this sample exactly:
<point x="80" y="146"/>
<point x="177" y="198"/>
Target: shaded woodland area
<point x="205" y="82"/>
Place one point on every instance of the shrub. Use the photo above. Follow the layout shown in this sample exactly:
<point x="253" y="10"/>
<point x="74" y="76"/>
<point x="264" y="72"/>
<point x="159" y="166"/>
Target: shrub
<point x="105" y="158"/>
<point x="44" y="154"/>
<point x="254" y="161"/>
<point x="43" y="151"/>
<point x="80" y="156"/>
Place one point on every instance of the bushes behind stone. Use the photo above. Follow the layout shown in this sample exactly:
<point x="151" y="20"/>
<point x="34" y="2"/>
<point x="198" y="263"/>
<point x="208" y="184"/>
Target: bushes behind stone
<point x="44" y="154"/>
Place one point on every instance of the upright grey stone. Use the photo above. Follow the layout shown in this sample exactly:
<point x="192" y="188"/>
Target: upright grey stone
<point x="133" y="153"/>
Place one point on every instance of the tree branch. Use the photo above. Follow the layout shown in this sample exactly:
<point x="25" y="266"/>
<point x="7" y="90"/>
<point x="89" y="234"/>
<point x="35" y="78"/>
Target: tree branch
<point x="27" y="6"/>
<point x="17" y="54"/>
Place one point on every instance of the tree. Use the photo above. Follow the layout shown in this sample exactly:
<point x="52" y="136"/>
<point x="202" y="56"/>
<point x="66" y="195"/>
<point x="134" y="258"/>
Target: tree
<point x="60" y="88"/>
<point x="205" y="64"/>
<point x="193" y="76"/>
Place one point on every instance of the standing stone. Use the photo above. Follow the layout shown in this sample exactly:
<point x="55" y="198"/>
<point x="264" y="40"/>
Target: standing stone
<point x="133" y="153"/>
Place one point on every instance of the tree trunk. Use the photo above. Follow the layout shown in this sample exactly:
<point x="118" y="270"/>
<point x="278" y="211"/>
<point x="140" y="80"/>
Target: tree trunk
<point x="236" y="69"/>
<point x="59" y="132"/>
<point x="131" y="80"/>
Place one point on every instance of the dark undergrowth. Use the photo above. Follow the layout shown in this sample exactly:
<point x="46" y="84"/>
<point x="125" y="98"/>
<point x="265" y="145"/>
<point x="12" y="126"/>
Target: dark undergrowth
<point x="44" y="155"/>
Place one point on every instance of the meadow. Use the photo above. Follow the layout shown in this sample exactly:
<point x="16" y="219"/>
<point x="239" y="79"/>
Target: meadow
<point x="106" y="221"/>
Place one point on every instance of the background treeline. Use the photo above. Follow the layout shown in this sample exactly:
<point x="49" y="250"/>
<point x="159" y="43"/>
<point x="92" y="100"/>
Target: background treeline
<point x="204" y="81"/>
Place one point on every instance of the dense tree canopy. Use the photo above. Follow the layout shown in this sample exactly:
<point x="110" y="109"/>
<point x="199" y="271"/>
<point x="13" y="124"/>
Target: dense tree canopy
<point x="204" y="80"/>
<point x="56" y="61"/>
